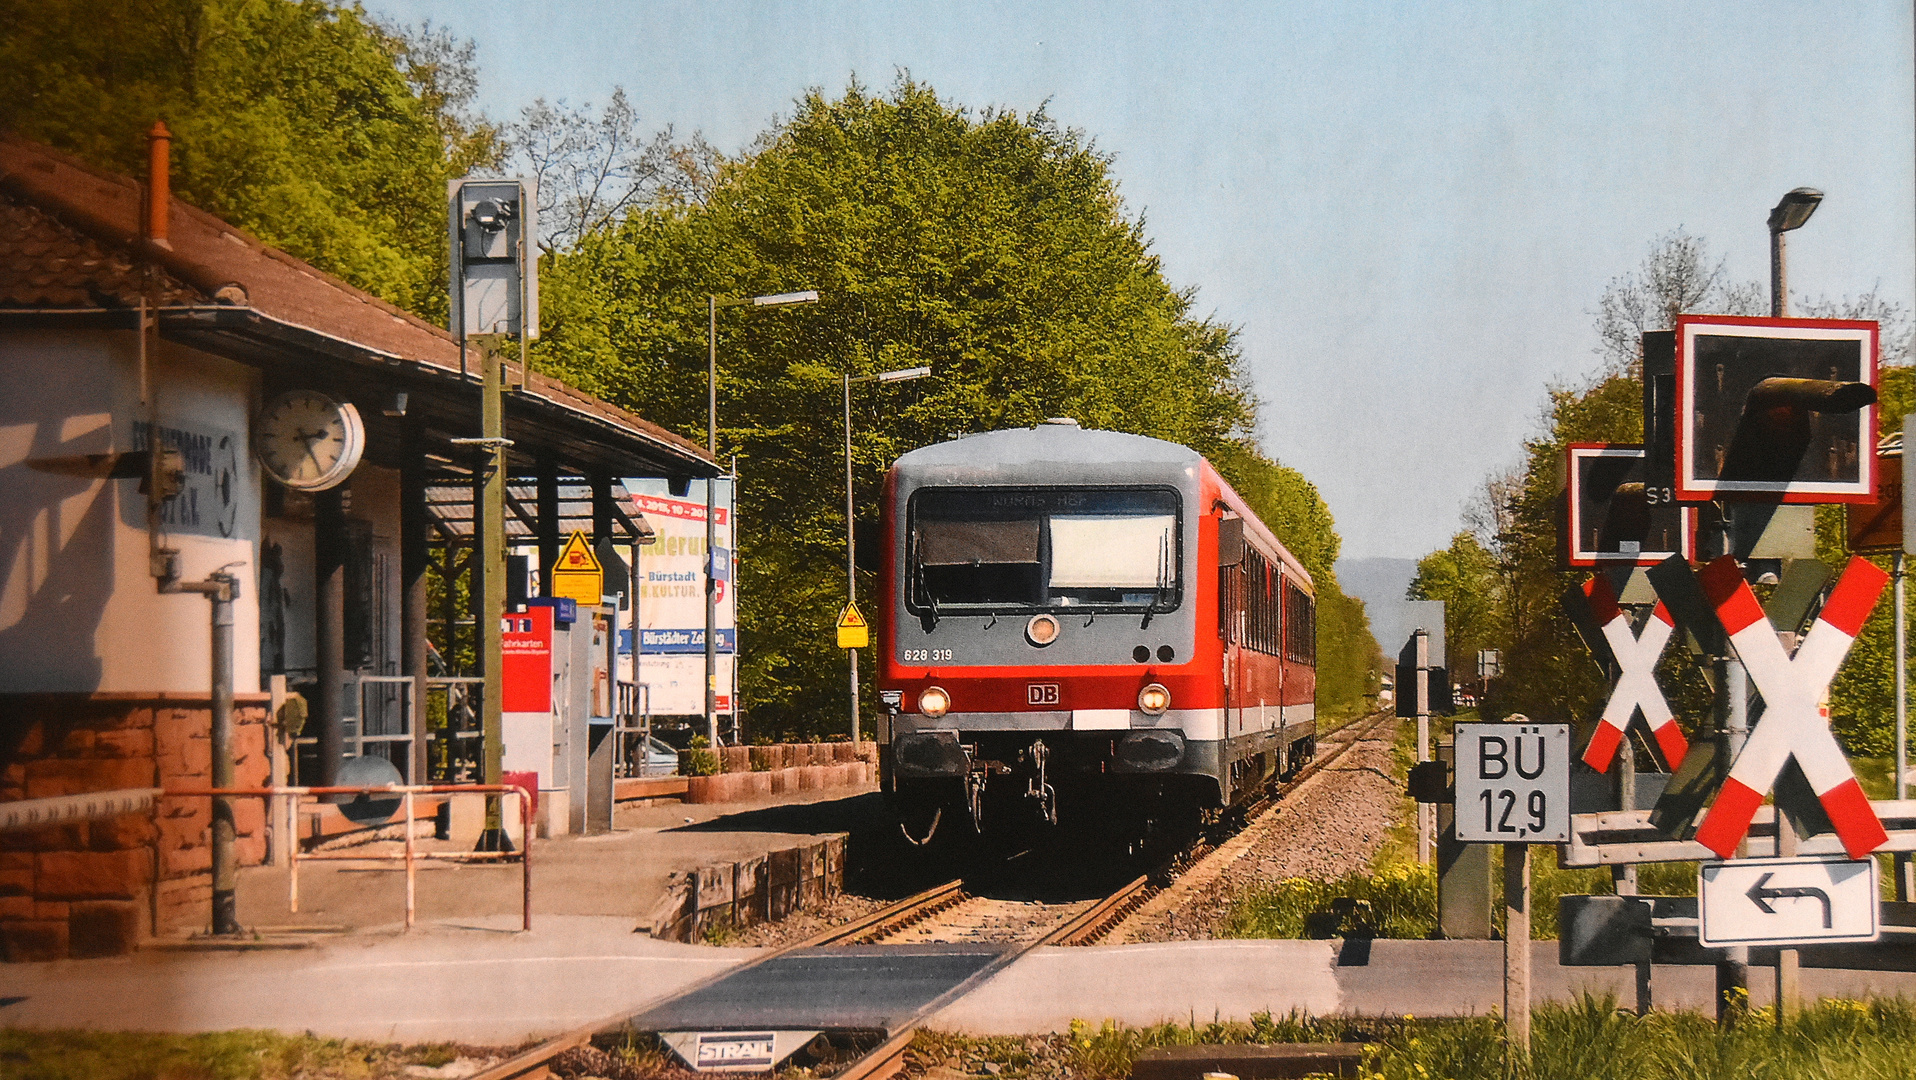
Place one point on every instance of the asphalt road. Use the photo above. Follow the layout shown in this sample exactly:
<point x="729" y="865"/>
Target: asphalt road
<point x="475" y="982"/>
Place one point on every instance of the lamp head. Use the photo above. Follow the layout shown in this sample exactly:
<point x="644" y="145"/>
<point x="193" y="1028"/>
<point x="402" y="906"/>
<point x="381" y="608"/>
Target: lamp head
<point x="1794" y="209"/>
<point x="809" y="296"/>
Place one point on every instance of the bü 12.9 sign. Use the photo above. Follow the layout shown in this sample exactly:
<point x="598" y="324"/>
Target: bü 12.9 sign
<point x="1513" y="783"/>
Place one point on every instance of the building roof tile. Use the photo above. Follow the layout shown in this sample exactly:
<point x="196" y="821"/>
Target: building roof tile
<point x="79" y="243"/>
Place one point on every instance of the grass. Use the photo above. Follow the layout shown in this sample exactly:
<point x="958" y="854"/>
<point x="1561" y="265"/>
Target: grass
<point x="225" y="1055"/>
<point x="1876" y="774"/>
<point x="1590" y="1038"/>
<point x="1586" y="1039"/>
<point x="1398" y="898"/>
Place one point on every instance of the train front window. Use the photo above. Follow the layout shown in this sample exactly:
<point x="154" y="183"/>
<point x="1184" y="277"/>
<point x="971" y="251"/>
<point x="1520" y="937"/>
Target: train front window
<point x="980" y="562"/>
<point x="1011" y="549"/>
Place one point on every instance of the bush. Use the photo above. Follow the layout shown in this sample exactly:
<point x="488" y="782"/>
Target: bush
<point x="698" y="762"/>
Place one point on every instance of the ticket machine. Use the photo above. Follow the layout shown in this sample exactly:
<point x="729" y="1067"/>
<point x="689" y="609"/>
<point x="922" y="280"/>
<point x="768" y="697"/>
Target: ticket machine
<point x="557" y="679"/>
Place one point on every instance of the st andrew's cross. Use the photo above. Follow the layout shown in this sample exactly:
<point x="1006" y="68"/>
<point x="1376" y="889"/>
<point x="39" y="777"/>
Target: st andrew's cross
<point x="1791" y="726"/>
<point x="1636" y="657"/>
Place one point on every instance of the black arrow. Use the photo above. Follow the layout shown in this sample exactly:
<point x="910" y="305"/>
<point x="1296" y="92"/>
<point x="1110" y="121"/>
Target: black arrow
<point x="1761" y="897"/>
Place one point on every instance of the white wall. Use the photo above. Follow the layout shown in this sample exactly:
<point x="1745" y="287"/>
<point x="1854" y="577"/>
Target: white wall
<point x="79" y="610"/>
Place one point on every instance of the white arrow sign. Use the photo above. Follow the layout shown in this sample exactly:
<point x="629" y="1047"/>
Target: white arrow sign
<point x="1787" y="901"/>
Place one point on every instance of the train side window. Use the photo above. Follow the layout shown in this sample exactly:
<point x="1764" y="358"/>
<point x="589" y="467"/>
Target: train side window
<point x="1225" y="609"/>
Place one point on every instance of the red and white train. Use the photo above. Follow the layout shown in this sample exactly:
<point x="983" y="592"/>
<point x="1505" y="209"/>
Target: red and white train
<point x="1084" y="626"/>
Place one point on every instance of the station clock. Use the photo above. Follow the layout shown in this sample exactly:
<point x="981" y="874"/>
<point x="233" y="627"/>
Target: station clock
<point x="307" y="441"/>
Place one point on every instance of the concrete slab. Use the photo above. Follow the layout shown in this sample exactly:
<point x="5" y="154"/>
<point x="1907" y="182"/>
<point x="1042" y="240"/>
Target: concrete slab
<point x="1149" y="983"/>
<point x="1232" y="980"/>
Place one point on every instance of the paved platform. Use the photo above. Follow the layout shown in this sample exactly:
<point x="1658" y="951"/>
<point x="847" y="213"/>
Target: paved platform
<point x="621" y="873"/>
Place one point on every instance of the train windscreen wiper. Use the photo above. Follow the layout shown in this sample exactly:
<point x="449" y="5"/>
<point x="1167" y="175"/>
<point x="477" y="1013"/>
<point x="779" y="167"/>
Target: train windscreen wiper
<point x="1163" y="583"/>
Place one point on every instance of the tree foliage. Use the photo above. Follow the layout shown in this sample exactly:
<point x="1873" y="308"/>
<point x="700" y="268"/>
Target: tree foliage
<point x="310" y="125"/>
<point x="1464" y="577"/>
<point x="992" y="247"/>
<point x="593" y="167"/>
<point x="1515" y="521"/>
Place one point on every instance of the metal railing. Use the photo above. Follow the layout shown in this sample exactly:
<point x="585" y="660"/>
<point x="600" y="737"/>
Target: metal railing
<point x="455" y="687"/>
<point x="410" y="855"/>
<point x="66" y="809"/>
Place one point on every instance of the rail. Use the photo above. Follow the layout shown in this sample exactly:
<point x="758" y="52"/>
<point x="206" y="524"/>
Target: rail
<point x="410" y="855"/>
<point x="887" y="1058"/>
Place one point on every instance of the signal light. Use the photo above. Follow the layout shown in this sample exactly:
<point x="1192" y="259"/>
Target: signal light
<point x="1774" y="431"/>
<point x="934" y="702"/>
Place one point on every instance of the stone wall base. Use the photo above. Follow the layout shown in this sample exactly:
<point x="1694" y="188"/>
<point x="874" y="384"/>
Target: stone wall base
<point x="97" y="888"/>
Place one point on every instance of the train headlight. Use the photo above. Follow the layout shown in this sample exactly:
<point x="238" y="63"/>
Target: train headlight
<point x="1042" y="630"/>
<point x="1154" y="699"/>
<point x="934" y="702"/>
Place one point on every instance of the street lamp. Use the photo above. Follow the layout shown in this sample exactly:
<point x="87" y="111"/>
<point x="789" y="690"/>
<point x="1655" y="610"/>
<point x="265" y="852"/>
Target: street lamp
<point x="1790" y="213"/>
<point x="851" y="543"/>
<point x="712" y="304"/>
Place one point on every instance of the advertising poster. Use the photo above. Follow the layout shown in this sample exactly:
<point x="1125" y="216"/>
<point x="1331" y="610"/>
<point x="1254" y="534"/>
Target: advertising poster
<point x="671" y="596"/>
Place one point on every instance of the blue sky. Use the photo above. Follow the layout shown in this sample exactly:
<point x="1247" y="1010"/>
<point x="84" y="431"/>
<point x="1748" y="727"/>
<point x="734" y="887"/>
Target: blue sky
<point x="1410" y="211"/>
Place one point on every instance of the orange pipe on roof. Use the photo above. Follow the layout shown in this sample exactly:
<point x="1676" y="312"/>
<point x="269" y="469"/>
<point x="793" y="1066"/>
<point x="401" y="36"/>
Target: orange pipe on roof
<point x="159" y="188"/>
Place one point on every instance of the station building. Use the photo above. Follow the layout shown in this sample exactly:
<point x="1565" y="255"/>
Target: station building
<point x="127" y="317"/>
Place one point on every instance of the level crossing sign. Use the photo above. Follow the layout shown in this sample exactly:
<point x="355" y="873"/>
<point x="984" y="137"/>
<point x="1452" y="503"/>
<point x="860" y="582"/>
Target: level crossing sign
<point x="853" y="631"/>
<point x="1807" y="901"/>
<point x="1635" y="656"/>
<point x="1513" y="783"/>
<point x="577" y="573"/>
<point x="1791" y="725"/>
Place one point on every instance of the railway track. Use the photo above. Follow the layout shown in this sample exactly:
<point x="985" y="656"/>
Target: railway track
<point x="950" y="913"/>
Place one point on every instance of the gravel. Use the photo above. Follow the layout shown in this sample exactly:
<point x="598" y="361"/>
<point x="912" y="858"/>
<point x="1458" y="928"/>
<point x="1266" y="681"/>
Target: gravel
<point x="1332" y="827"/>
<point x="800" y="925"/>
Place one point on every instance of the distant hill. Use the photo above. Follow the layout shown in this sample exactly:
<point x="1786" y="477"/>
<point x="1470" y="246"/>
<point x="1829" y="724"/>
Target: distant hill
<point x="1380" y="584"/>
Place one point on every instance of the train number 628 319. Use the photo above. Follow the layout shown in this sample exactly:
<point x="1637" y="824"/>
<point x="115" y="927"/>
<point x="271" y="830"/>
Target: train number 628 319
<point x="925" y="656"/>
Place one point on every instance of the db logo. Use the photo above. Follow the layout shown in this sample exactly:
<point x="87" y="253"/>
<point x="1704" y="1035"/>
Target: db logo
<point x="1041" y="693"/>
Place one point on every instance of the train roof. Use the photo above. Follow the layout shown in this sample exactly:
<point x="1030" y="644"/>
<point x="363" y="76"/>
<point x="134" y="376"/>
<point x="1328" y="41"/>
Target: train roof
<point x="1060" y="442"/>
<point x="1042" y="448"/>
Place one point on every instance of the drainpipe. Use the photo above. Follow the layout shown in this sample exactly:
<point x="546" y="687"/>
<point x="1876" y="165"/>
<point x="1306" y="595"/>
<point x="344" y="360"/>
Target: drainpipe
<point x="222" y="588"/>
<point x="165" y="475"/>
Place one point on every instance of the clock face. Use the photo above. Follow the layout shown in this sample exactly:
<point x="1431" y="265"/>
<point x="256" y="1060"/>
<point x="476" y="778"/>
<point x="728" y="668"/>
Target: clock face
<point x="308" y="441"/>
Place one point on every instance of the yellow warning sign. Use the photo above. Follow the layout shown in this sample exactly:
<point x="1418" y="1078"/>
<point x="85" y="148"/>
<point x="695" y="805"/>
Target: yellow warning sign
<point x="578" y="574"/>
<point x="853" y="631"/>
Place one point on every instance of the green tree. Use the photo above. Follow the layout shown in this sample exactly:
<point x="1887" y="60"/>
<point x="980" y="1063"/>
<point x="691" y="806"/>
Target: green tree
<point x="1863" y="695"/>
<point x="990" y="246"/>
<point x="310" y="125"/>
<point x="1464" y="577"/>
